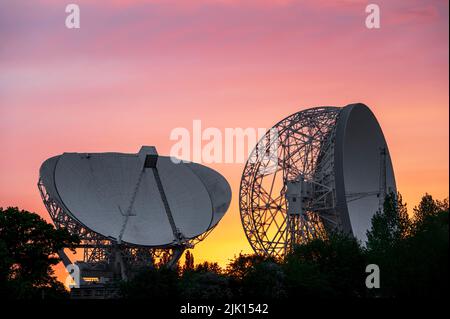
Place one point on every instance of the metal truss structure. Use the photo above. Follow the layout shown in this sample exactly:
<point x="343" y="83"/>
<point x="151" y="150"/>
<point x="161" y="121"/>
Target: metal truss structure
<point x="104" y="257"/>
<point x="299" y="149"/>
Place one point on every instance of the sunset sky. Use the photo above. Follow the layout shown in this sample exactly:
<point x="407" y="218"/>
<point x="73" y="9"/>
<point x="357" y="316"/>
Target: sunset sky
<point x="137" y="69"/>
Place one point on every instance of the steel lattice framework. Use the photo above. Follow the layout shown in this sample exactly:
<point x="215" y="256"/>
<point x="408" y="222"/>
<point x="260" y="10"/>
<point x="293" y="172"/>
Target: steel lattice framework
<point x="298" y="148"/>
<point x="100" y="251"/>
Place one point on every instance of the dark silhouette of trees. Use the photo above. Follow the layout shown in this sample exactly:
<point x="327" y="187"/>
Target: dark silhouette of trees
<point x="205" y="281"/>
<point x="28" y="247"/>
<point x="152" y="283"/>
<point x="242" y="265"/>
<point x="412" y="255"/>
<point x="389" y="225"/>
<point x="425" y="252"/>
<point x="333" y="267"/>
<point x="207" y="266"/>
<point x="188" y="261"/>
<point x="427" y="209"/>
<point x="413" y="259"/>
<point x="253" y="276"/>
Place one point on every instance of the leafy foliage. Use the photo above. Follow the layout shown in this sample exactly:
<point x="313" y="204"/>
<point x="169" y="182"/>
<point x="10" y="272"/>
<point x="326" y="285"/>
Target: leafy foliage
<point x="413" y="259"/>
<point x="327" y="268"/>
<point x="28" y="247"/>
<point x="153" y="283"/>
<point x="412" y="255"/>
<point x="204" y="281"/>
<point x="253" y="276"/>
<point x="390" y="225"/>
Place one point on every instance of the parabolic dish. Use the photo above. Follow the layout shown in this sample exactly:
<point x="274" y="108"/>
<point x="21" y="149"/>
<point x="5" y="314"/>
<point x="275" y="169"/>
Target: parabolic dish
<point x="140" y="199"/>
<point x="358" y="168"/>
<point x="319" y="170"/>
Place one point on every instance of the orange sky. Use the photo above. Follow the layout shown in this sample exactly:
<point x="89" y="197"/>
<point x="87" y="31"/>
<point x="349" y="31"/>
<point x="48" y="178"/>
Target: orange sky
<point x="137" y="69"/>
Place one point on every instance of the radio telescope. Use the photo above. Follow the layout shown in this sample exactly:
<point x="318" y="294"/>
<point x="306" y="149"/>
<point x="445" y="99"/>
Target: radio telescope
<point x="131" y="210"/>
<point x="319" y="170"/>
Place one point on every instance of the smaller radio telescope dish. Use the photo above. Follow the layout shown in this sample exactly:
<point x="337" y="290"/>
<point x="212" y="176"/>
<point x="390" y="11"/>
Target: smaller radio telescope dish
<point x="319" y="170"/>
<point x="136" y="204"/>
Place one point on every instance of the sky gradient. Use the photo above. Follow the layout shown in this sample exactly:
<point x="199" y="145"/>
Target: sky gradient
<point x="137" y="69"/>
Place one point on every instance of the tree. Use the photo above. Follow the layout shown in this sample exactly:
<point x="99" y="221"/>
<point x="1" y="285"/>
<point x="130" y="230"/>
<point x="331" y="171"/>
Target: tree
<point x="151" y="283"/>
<point x="205" y="281"/>
<point x="238" y="269"/>
<point x="206" y="266"/>
<point x="265" y="280"/>
<point x="413" y="260"/>
<point x="389" y="225"/>
<point x="331" y="267"/>
<point x="427" y="209"/>
<point x="242" y="264"/>
<point x="28" y="250"/>
<point x="188" y="261"/>
<point x="425" y="253"/>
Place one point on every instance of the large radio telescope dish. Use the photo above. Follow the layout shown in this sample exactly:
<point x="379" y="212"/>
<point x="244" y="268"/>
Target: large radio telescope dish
<point x="319" y="170"/>
<point x="131" y="210"/>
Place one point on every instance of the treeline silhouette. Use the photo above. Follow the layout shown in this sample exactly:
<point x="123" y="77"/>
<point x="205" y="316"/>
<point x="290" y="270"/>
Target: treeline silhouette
<point x="411" y="253"/>
<point x="28" y="247"/>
